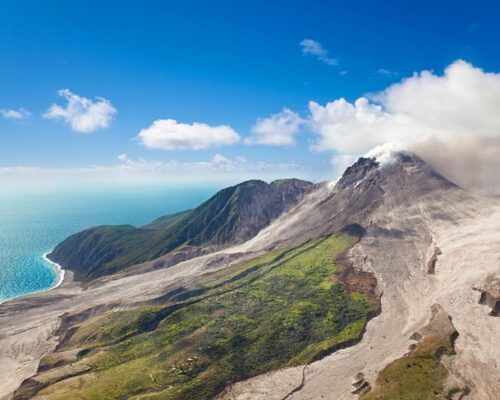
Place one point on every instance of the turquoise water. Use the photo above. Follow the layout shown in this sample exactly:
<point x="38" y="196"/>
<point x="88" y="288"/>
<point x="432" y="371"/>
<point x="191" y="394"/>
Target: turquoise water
<point x="32" y="224"/>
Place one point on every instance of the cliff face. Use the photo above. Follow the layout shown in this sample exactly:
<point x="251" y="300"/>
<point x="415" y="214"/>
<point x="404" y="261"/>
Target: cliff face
<point x="231" y="216"/>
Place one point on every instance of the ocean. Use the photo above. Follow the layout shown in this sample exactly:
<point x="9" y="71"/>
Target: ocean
<point x="32" y="224"/>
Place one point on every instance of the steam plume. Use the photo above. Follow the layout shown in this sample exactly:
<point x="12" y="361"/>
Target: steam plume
<point x="452" y="121"/>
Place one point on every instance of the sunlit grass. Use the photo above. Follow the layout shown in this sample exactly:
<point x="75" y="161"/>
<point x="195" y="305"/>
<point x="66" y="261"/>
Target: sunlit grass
<point x="281" y="309"/>
<point x="419" y="375"/>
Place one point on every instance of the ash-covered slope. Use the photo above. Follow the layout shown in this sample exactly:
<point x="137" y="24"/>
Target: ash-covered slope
<point x="233" y="215"/>
<point x="431" y="246"/>
<point x="365" y="187"/>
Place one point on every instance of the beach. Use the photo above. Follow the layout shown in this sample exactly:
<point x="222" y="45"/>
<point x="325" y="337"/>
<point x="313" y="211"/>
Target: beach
<point x="59" y="270"/>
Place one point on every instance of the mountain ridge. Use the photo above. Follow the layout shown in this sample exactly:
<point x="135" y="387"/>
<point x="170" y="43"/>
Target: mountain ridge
<point x="231" y="216"/>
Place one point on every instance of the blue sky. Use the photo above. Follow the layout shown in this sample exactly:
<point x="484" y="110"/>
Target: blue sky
<point x="217" y="63"/>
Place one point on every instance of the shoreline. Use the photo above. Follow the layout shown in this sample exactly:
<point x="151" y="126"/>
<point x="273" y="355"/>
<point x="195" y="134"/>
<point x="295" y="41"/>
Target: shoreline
<point x="59" y="271"/>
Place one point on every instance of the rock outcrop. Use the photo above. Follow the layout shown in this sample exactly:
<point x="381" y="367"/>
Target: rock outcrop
<point x="490" y="295"/>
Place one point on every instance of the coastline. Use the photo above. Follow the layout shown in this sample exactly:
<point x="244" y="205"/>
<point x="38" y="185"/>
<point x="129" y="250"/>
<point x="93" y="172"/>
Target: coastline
<point x="61" y="273"/>
<point x="27" y="328"/>
<point x="59" y="270"/>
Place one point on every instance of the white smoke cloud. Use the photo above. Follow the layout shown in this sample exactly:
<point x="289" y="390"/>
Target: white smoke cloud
<point x="452" y="121"/>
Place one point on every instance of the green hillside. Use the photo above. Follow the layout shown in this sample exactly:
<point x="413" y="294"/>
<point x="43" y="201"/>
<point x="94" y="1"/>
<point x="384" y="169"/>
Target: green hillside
<point x="233" y="215"/>
<point x="281" y="309"/>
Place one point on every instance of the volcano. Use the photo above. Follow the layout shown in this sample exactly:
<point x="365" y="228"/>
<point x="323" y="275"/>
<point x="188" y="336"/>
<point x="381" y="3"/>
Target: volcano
<point x="382" y="285"/>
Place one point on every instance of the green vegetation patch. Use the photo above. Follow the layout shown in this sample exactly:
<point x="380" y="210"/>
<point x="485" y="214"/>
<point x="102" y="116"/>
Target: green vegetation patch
<point x="419" y="375"/>
<point x="281" y="309"/>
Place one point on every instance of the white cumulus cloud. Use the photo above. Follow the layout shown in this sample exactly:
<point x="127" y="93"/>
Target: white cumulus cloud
<point x="312" y="48"/>
<point x="168" y="134"/>
<point x="276" y="130"/>
<point x="20" y="113"/>
<point x="82" y="114"/>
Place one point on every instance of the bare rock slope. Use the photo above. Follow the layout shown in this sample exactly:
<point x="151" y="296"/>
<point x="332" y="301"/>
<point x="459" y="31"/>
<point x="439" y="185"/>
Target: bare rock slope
<point x="410" y="212"/>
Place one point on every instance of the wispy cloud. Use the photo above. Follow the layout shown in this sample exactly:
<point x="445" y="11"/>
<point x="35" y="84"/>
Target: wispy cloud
<point x="312" y="48"/>
<point x="20" y="113"/>
<point x="217" y="163"/>
<point x="82" y="114"/>
<point x="128" y="171"/>
<point x="168" y="134"/>
<point x="388" y="73"/>
<point x="276" y="130"/>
